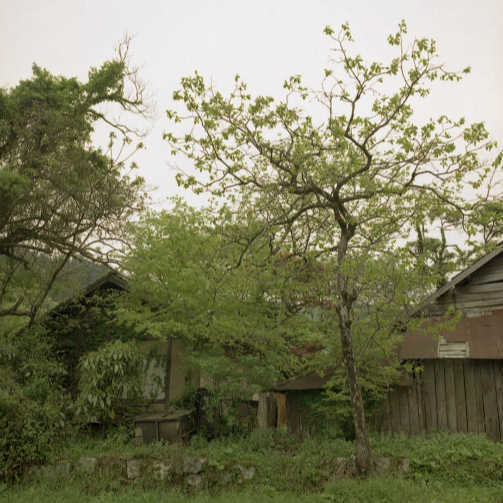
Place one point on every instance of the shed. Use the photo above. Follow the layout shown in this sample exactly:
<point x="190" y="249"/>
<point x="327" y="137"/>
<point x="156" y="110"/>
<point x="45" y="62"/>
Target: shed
<point x="293" y="399"/>
<point x="458" y="382"/>
<point x="166" y="373"/>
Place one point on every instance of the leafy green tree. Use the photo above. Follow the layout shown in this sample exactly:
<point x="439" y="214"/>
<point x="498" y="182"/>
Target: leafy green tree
<point x="484" y="225"/>
<point x="434" y="255"/>
<point x="184" y="283"/>
<point x="61" y="196"/>
<point x="344" y="171"/>
<point x="448" y="240"/>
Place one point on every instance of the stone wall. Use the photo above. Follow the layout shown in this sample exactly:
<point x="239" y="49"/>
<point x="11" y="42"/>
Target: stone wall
<point x="190" y="473"/>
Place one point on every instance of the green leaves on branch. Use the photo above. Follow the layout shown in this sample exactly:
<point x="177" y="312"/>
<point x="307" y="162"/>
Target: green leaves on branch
<point x="374" y="171"/>
<point x="190" y="278"/>
<point x="340" y="177"/>
<point x="108" y="376"/>
<point x="60" y="194"/>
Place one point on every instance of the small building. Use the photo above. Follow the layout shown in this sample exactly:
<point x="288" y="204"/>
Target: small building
<point x="457" y="384"/>
<point x="79" y="330"/>
<point x="294" y="399"/>
<point x="82" y="320"/>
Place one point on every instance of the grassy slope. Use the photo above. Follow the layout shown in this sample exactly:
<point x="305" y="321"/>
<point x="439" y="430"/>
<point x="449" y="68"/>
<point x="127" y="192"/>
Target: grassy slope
<point x="444" y="469"/>
<point x="348" y="491"/>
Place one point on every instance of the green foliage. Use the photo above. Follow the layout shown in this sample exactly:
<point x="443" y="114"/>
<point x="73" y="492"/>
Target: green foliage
<point x="61" y="195"/>
<point x="291" y="470"/>
<point x="341" y="185"/>
<point x="108" y="376"/>
<point x="32" y="401"/>
<point x="221" y="410"/>
<point x="30" y="356"/>
<point x="460" y="460"/>
<point x="83" y="326"/>
<point x="232" y="319"/>
<point x="29" y="428"/>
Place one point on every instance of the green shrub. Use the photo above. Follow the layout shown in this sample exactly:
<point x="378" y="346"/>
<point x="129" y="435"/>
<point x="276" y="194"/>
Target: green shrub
<point x="29" y="429"/>
<point x="448" y="458"/>
<point x="219" y="412"/>
<point x="107" y="377"/>
<point x="32" y="403"/>
<point x="29" y="355"/>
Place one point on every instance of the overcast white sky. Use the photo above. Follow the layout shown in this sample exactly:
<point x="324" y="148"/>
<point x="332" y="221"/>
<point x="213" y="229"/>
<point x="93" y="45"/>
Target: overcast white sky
<point x="264" y="41"/>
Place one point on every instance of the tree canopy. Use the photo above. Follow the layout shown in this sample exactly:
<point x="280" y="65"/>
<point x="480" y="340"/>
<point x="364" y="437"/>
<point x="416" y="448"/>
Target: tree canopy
<point x="345" y="172"/>
<point x="61" y="195"/>
<point x="184" y="283"/>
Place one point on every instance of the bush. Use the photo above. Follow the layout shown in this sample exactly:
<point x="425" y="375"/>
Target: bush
<point x="30" y="357"/>
<point x="29" y="429"/>
<point x="107" y="377"/>
<point x="219" y="412"/>
<point x="447" y="458"/>
<point x="32" y="404"/>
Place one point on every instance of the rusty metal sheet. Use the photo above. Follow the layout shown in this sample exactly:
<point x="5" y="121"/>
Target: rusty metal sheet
<point x="484" y="335"/>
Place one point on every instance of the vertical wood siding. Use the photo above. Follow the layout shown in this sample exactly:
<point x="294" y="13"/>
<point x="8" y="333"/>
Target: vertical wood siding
<point x="457" y="396"/>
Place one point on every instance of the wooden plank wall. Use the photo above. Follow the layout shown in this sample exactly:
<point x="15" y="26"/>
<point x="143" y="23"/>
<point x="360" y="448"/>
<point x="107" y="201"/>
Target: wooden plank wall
<point x="457" y="396"/>
<point x="482" y="291"/>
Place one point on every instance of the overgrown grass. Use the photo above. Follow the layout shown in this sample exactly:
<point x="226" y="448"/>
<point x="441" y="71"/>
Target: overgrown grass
<point x="68" y="495"/>
<point x="463" y="460"/>
<point x="400" y="490"/>
<point x="345" y="491"/>
<point x="444" y="468"/>
<point x="454" y="459"/>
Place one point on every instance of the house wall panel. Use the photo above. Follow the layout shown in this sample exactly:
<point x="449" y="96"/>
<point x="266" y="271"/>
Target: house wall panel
<point x="498" y="386"/>
<point x="439" y="367"/>
<point x="491" y="417"/>
<point x="460" y="396"/>
<point x="429" y="396"/>
<point x="450" y="396"/>
<point x="453" y="395"/>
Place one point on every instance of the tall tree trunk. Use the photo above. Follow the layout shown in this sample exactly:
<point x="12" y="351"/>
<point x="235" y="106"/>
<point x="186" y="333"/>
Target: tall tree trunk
<point x="362" y="445"/>
<point x="344" y="310"/>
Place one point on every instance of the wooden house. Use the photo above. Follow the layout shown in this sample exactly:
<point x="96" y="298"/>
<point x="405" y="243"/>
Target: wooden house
<point x="166" y="375"/>
<point x="458" y="382"/>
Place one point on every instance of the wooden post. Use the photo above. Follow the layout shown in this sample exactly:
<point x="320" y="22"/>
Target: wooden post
<point x="262" y="411"/>
<point x="281" y="406"/>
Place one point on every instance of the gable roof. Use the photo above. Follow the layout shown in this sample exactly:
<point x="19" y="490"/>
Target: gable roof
<point x="458" y="278"/>
<point x="83" y="278"/>
<point x="478" y="293"/>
